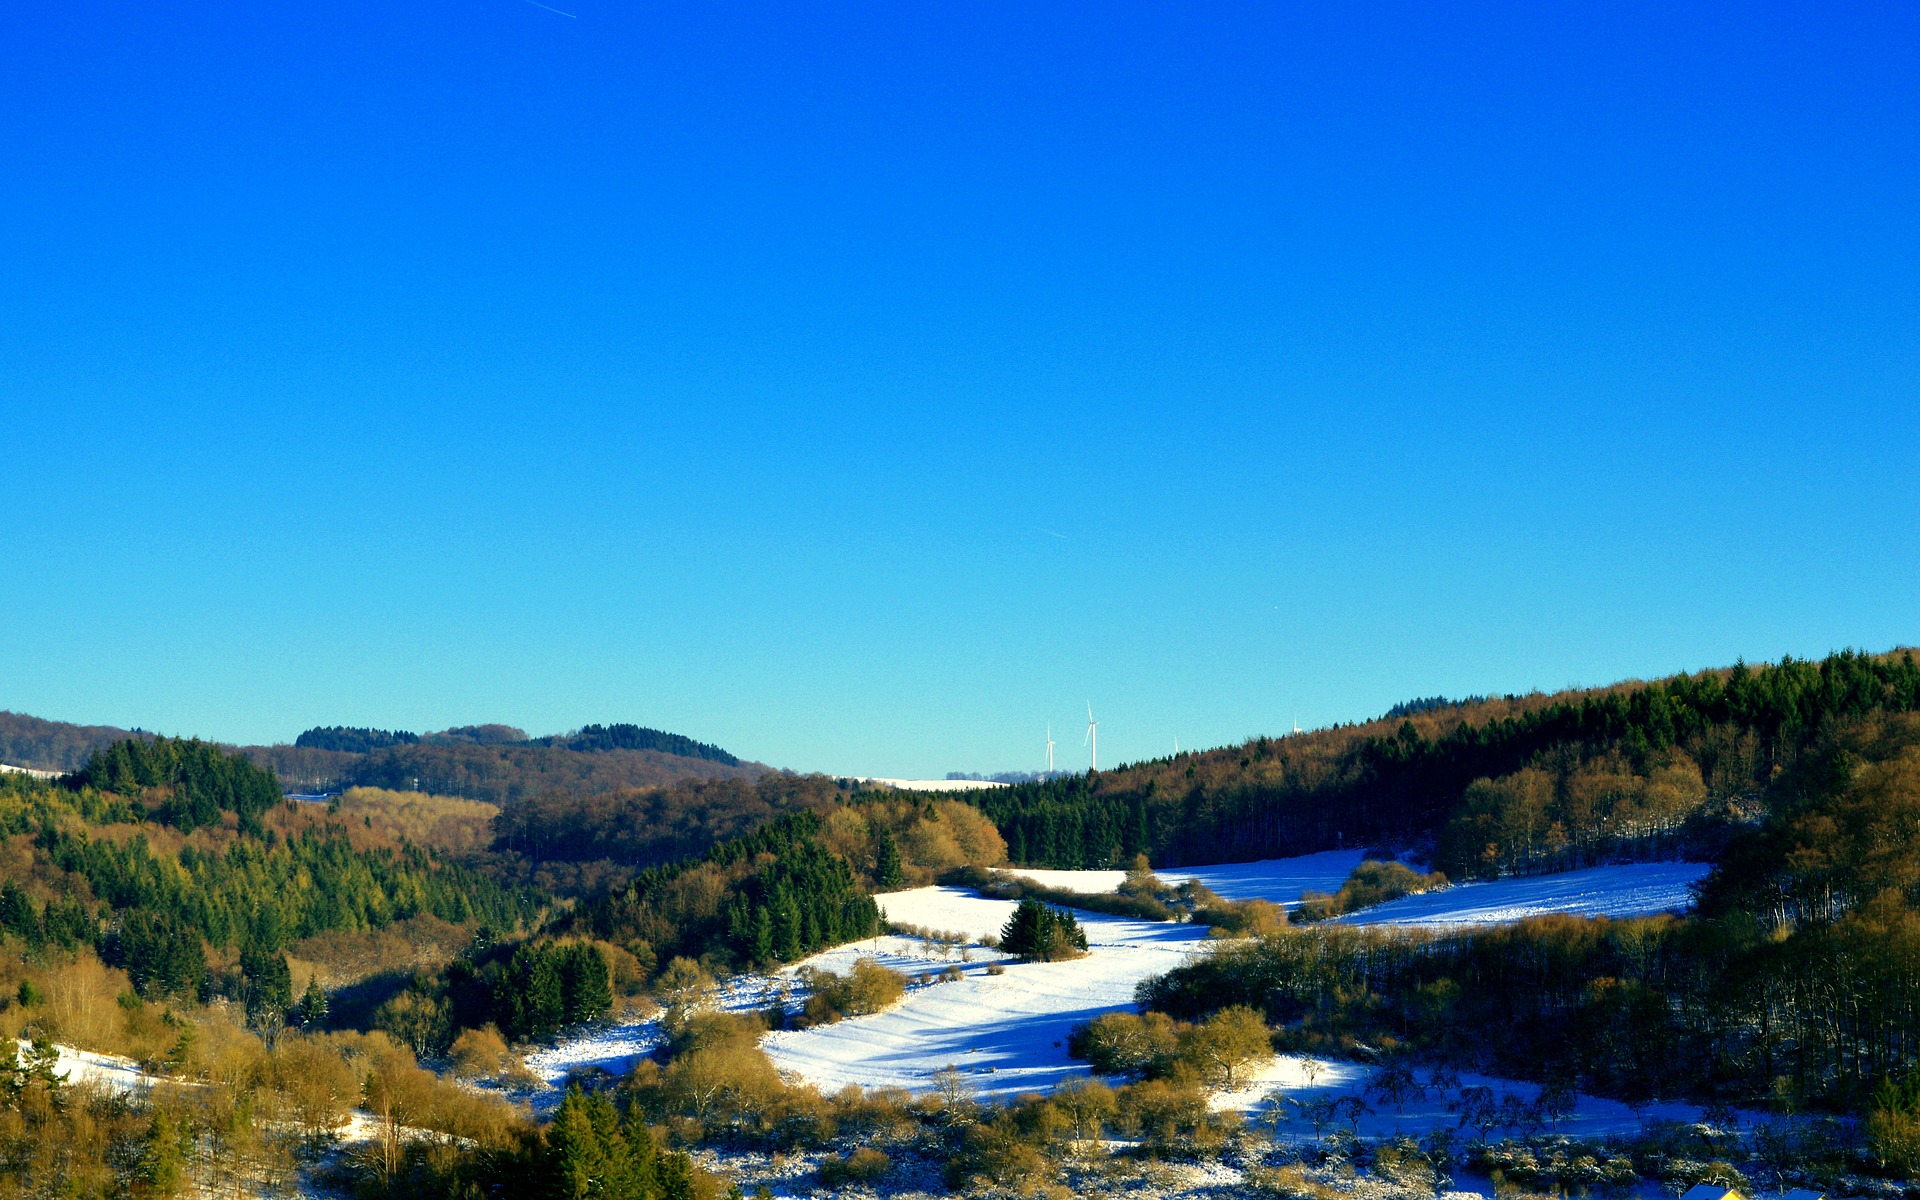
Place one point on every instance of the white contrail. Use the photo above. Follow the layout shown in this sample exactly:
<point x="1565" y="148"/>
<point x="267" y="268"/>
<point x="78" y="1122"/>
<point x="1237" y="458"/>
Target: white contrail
<point x="550" y="8"/>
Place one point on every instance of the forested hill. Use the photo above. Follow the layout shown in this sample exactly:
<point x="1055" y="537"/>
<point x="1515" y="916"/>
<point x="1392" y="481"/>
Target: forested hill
<point x="499" y="773"/>
<point x="181" y="864"/>
<point x="1525" y="783"/>
<point x="54" y="745"/>
<point x="498" y="763"/>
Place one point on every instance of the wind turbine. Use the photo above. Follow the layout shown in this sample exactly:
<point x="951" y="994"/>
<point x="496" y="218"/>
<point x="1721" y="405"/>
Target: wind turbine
<point x="1092" y="740"/>
<point x="1049" y="747"/>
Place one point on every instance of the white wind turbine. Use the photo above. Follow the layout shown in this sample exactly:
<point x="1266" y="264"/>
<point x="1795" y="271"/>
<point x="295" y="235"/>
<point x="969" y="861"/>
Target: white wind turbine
<point x="1049" y="747"/>
<point x="1092" y="740"/>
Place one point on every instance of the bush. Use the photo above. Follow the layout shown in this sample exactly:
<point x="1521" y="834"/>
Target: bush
<point x="1220" y="1047"/>
<point x="1214" y="1052"/>
<point x="1123" y="1043"/>
<point x="1370" y="883"/>
<point x="865" y="989"/>
<point x="478" y="1053"/>
<point x="864" y="1165"/>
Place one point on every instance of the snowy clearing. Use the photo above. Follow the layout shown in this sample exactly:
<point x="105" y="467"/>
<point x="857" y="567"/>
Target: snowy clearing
<point x="110" y="1072"/>
<point x="1623" y="890"/>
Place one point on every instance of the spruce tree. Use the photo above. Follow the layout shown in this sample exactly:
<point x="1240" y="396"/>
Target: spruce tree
<point x="886" y="861"/>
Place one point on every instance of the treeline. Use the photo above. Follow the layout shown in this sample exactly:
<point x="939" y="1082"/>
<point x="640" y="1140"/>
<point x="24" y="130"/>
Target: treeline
<point x="1798" y="983"/>
<point x="643" y="827"/>
<point x="344" y="739"/>
<point x="502" y="773"/>
<point x="1506" y="784"/>
<point x="600" y="738"/>
<point x="587" y="739"/>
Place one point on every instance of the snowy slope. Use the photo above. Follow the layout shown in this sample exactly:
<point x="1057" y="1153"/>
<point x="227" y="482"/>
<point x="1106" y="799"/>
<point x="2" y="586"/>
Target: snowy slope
<point x="107" y="1071"/>
<point x="1006" y="1032"/>
<point x="1287" y="1078"/>
<point x="1277" y="879"/>
<point x="1625" y="890"/>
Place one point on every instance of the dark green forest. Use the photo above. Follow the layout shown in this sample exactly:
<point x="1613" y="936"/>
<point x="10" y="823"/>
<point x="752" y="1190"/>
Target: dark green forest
<point x="773" y="895"/>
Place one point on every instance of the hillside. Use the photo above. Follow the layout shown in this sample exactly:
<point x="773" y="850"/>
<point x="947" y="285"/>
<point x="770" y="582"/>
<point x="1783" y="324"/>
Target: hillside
<point x="53" y="745"/>
<point x="1509" y="784"/>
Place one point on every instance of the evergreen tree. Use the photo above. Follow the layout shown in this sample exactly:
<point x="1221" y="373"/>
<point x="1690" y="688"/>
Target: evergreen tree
<point x="162" y="1161"/>
<point x="1038" y="932"/>
<point x="313" y="1005"/>
<point x="586" y="986"/>
<point x="886" y="864"/>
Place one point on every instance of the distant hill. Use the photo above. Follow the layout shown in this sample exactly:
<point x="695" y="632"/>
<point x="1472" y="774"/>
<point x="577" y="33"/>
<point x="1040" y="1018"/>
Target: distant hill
<point x="55" y="745"/>
<point x="494" y="763"/>
<point x="499" y="774"/>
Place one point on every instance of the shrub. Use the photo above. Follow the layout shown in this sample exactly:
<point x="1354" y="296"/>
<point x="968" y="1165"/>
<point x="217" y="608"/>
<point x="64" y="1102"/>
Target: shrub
<point x="1218" y="1048"/>
<point x="865" y="989"/>
<point x="1123" y="1043"/>
<point x="1370" y="883"/>
<point x="864" y="1165"/>
<point x="478" y="1053"/>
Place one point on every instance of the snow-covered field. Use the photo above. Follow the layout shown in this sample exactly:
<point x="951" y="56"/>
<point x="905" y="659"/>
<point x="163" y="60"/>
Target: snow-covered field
<point x="1007" y="1033"/>
<point x="1278" y="879"/>
<point x="1624" y="890"/>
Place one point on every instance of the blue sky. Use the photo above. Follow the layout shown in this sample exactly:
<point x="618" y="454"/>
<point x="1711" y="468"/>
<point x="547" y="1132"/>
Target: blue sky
<point x="863" y="386"/>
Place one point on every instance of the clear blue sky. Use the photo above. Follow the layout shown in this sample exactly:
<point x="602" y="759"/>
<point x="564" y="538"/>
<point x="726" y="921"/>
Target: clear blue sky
<point x="862" y="386"/>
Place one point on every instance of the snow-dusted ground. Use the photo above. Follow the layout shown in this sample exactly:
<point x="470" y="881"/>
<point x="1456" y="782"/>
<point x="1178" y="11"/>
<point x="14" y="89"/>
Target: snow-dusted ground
<point x="1624" y="890"/>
